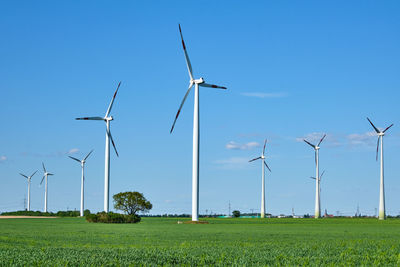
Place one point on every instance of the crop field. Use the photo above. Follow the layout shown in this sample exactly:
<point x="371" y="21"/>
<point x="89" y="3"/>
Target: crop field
<point x="161" y="241"/>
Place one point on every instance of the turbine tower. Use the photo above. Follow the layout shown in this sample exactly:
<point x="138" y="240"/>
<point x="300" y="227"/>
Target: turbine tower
<point x="317" y="181"/>
<point x="82" y="162"/>
<point x="107" y="119"/>
<point x="196" y="126"/>
<point x="29" y="188"/>
<point x="46" y="174"/>
<point x="382" y="211"/>
<point x="263" y="163"/>
<point x="322" y="174"/>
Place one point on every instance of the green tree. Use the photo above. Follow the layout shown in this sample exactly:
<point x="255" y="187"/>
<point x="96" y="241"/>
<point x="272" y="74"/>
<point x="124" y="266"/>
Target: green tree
<point x="236" y="214"/>
<point x="131" y="202"/>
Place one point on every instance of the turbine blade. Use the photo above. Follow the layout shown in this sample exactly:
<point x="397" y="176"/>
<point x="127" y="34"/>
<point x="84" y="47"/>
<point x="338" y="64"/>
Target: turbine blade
<point x="44" y="167"/>
<point x="90" y="118"/>
<point x="266" y="165"/>
<point x="74" y="159"/>
<point x="321" y="175"/>
<point x="112" y="142"/>
<point x="254" y="159"/>
<point x="33" y="174"/>
<point x="376" y="129"/>
<point x="265" y="143"/>
<point x="189" y="66"/>
<point x="24" y="175"/>
<point x="112" y="101"/>
<point x="50" y="174"/>
<point x="88" y="154"/>
<point x="180" y="107"/>
<point x="212" y="85"/>
<point x="312" y="177"/>
<point x="321" y="139"/>
<point x="42" y="179"/>
<point x="309" y="143"/>
<point x="387" y="128"/>
<point x="377" y="148"/>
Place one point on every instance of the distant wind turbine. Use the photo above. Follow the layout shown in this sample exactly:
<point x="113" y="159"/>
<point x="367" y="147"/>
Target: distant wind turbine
<point x="382" y="211"/>
<point x="29" y="188"/>
<point x="196" y="125"/>
<point x="317" y="181"/>
<point x="82" y="162"/>
<point x="46" y="174"/>
<point x="263" y="163"/>
<point x="322" y="174"/>
<point x="107" y="119"/>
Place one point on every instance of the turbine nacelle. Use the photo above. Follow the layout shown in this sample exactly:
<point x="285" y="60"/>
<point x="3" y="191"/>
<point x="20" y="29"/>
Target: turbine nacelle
<point x="199" y="81"/>
<point x="110" y="118"/>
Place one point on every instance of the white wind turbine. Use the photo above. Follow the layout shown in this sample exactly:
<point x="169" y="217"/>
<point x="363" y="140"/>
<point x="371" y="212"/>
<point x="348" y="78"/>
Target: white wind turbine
<point x="29" y="188"/>
<point x="82" y="162"/>
<point x="196" y="125"/>
<point x="46" y="174"/>
<point x="263" y="163"/>
<point x="317" y="181"/>
<point x="382" y="211"/>
<point x="320" y="177"/>
<point x="107" y="119"/>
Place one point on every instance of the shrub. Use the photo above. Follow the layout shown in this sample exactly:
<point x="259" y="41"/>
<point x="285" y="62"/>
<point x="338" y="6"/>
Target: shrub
<point x="112" y="217"/>
<point x="86" y="212"/>
<point x="236" y="214"/>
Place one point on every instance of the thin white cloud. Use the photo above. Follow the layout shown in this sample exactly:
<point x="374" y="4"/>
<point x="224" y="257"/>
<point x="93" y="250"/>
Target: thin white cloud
<point x="266" y="95"/>
<point x="232" y="163"/>
<point x="315" y="137"/>
<point x="3" y="158"/>
<point x="73" y="151"/>
<point x="52" y="154"/>
<point x="237" y="146"/>
<point x="362" y="139"/>
<point x="311" y="137"/>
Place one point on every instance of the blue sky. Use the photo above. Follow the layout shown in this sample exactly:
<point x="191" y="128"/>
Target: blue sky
<point x="293" y="69"/>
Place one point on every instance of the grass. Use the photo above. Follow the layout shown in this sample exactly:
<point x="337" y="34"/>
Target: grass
<point x="161" y="241"/>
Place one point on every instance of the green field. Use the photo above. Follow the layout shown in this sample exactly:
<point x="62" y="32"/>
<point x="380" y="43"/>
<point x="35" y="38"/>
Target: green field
<point x="161" y="241"/>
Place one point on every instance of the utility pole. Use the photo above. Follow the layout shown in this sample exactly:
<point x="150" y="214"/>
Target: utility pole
<point x="229" y="214"/>
<point x="25" y="202"/>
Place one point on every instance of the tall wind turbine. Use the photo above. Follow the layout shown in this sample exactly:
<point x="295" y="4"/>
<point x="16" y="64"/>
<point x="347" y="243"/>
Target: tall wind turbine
<point x="46" y="174"/>
<point x="29" y="188"/>
<point x="82" y="162"/>
<point x="196" y="126"/>
<point x="107" y="119"/>
<point x="382" y="211"/>
<point x="263" y="163"/>
<point x="317" y="181"/>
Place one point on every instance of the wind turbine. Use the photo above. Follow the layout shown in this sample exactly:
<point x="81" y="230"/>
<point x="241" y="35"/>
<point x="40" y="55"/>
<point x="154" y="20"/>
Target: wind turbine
<point x="263" y="163"/>
<point x="382" y="212"/>
<point x="107" y="119"/>
<point x="82" y="162"/>
<point x="29" y="188"/>
<point x="322" y="174"/>
<point x="317" y="181"/>
<point x="46" y="174"/>
<point x="196" y="126"/>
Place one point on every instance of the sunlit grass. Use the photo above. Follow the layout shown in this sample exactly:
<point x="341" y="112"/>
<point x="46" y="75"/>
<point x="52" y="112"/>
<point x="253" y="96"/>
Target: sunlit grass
<point x="72" y="241"/>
